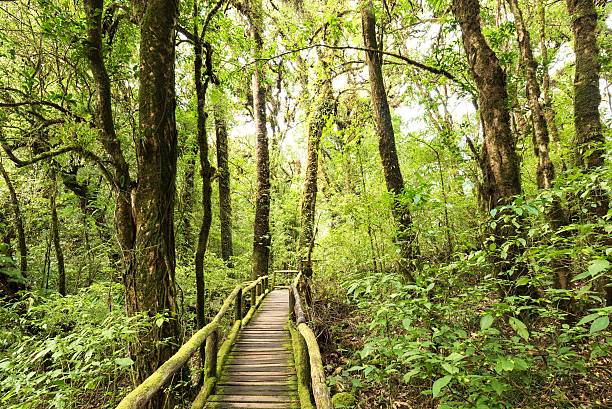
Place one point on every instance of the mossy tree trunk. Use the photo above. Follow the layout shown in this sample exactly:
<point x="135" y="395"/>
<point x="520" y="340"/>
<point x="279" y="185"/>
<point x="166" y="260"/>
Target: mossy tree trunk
<point x="545" y="169"/>
<point x="499" y="162"/>
<point x="322" y="110"/>
<point x="225" y="198"/>
<point x="261" y="227"/>
<point x="406" y="236"/>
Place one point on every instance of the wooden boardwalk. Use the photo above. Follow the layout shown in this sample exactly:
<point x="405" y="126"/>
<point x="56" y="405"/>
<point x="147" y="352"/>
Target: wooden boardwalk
<point x="259" y="372"/>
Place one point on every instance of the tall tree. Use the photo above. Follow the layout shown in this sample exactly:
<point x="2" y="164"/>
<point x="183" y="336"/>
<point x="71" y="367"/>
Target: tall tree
<point x="144" y="209"/>
<point x="206" y="171"/>
<point x="546" y="169"/>
<point x="225" y="198"/>
<point x="320" y="113"/>
<point x="587" y="122"/>
<point x="261" y="227"/>
<point x="498" y="161"/>
<point x="406" y="237"/>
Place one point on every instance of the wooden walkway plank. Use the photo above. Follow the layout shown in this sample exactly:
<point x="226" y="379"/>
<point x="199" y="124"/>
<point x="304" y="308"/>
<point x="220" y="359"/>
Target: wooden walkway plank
<point x="259" y="372"/>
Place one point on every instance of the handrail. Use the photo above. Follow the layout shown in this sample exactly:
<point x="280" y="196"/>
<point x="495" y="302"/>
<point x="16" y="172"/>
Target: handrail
<point x="143" y="393"/>
<point x="317" y="373"/>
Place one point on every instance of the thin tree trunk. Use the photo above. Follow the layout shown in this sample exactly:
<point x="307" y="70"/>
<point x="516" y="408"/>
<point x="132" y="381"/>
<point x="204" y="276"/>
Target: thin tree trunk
<point x="55" y="233"/>
<point x="186" y="201"/>
<point x="406" y="237"/>
<point x="549" y="112"/>
<point x="545" y="170"/>
<point x="498" y="161"/>
<point x="320" y="113"/>
<point x="225" y="198"/>
<point x="261" y="227"/>
<point x="206" y="173"/>
<point x="23" y="249"/>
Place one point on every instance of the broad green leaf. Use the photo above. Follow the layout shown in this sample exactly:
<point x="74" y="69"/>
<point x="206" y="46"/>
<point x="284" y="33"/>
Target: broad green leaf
<point x="127" y="361"/>
<point x="599" y="265"/>
<point x="451" y="369"/>
<point x="406" y="323"/>
<point x="600" y="324"/>
<point x="520" y="328"/>
<point x="439" y="384"/>
<point x="588" y="318"/>
<point x="486" y="321"/>
<point x="455" y="356"/>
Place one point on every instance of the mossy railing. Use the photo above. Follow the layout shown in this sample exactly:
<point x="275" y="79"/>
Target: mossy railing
<point x="215" y="356"/>
<point x="306" y="352"/>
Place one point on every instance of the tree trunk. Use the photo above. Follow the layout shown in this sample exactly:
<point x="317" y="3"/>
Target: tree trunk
<point x="156" y="155"/>
<point x="498" y="161"/>
<point x="406" y="237"/>
<point x="261" y="227"/>
<point x="205" y="172"/>
<point x="23" y="249"/>
<point x="59" y="254"/>
<point x="589" y="136"/>
<point x="186" y="201"/>
<point x="549" y="112"/>
<point x="587" y="122"/>
<point x="545" y="170"/>
<point x="320" y="113"/>
<point x="225" y="198"/>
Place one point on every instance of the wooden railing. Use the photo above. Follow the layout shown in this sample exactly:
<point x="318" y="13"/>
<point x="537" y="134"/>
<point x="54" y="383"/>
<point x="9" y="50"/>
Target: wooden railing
<point x="309" y="364"/>
<point x="215" y="356"/>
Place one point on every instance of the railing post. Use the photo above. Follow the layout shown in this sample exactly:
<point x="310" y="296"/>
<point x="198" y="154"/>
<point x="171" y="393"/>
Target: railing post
<point x="291" y="304"/>
<point x="258" y="288"/>
<point x="253" y="295"/>
<point x="211" y="355"/>
<point x="238" y="314"/>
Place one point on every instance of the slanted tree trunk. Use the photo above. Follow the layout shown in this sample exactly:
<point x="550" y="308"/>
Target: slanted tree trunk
<point x="261" y="227"/>
<point x="21" y="239"/>
<point x="406" y="237"/>
<point x="55" y="233"/>
<point x="320" y="112"/>
<point x="225" y="198"/>
<point x="498" y="160"/>
<point x="546" y="169"/>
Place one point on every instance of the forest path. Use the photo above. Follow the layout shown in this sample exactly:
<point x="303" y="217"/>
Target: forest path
<point x="259" y="371"/>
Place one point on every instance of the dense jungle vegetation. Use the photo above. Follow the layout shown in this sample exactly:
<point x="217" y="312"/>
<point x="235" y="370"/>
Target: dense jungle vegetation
<point x="440" y="167"/>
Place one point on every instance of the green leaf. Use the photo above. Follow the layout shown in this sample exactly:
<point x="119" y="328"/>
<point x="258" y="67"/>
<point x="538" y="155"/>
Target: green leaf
<point x="486" y="321"/>
<point x="588" y="318"/>
<point x="455" y="356"/>
<point x="520" y="328"/>
<point x="600" y="324"/>
<point x="439" y="384"/>
<point x="160" y="321"/>
<point x="124" y="361"/>
<point x="504" y="364"/>
<point x="599" y="265"/>
<point x="406" y="323"/>
<point x="451" y="369"/>
<point x="408" y="375"/>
